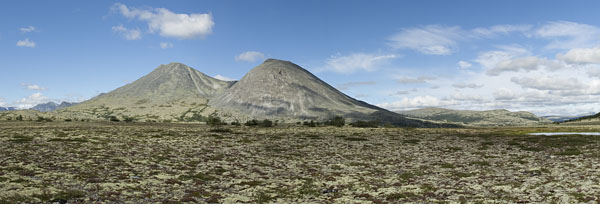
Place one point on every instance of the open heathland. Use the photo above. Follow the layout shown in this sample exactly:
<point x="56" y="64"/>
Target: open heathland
<point x="114" y="162"/>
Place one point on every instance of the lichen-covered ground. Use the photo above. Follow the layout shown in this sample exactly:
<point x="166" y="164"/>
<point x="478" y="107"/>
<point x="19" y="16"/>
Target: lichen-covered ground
<point x="177" y="163"/>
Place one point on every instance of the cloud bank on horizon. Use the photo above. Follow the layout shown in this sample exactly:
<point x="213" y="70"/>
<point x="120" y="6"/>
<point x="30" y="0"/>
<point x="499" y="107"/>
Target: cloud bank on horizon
<point x="549" y="65"/>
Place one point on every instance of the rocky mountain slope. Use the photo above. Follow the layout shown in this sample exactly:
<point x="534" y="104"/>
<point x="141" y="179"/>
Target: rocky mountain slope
<point x="51" y="106"/>
<point x="498" y="117"/>
<point x="282" y="89"/>
<point x="172" y="92"/>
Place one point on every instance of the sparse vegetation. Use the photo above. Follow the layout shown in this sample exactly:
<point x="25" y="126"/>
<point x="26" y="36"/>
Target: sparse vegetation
<point x="113" y="162"/>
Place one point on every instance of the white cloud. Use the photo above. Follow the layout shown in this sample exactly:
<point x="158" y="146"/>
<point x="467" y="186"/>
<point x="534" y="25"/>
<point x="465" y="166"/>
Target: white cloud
<point x="500" y="29"/>
<point x="31" y="100"/>
<point x="347" y="85"/>
<point x="25" y="43"/>
<point x="594" y="72"/>
<point x="462" y="85"/>
<point x="169" y="24"/>
<point x="504" y="94"/>
<point x="129" y="34"/>
<point x="33" y="87"/>
<point x="2" y="103"/>
<point x="223" y="78"/>
<point x="356" y="62"/>
<point x="27" y="29"/>
<point x="529" y="63"/>
<point x="567" y="35"/>
<point x="490" y="59"/>
<point x="464" y="65"/>
<point x="581" y="56"/>
<point x="416" y="102"/>
<point x="547" y="83"/>
<point x="431" y="39"/>
<point x="410" y="80"/>
<point x="165" y="45"/>
<point x="250" y="56"/>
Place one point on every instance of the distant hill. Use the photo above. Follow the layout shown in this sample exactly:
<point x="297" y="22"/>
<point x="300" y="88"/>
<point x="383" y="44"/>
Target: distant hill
<point x="51" y="106"/>
<point x="173" y="92"/>
<point x="7" y="108"/>
<point x="559" y="118"/>
<point x="499" y="117"/>
<point x="583" y="119"/>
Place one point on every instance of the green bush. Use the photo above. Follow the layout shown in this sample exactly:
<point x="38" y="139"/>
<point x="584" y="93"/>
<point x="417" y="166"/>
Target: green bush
<point x="365" y="124"/>
<point x="266" y="123"/>
<point x="336" y="121"/>
<point x="252" y="122"/>
<point x="310" y="124"/>
<point x="114" y="118"/>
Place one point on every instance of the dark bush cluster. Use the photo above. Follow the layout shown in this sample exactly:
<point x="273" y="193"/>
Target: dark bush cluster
<point x="263" y="123"/>
<point x="365" y="124"/>
<point x="336" y="121"/>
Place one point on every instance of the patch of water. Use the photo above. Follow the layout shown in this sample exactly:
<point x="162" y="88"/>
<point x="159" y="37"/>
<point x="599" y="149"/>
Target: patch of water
<point x="564" y="133"/>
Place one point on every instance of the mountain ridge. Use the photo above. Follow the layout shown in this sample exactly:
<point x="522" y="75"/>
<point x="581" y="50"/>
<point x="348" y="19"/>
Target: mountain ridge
<point x="495" y="117"/>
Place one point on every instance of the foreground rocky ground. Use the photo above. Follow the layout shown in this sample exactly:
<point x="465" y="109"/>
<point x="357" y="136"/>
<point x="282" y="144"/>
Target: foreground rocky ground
<point x="176" y="163"/>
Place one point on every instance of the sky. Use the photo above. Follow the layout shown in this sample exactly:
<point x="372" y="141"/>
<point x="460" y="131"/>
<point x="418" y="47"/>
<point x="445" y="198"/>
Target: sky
<point x="537" y="56"/>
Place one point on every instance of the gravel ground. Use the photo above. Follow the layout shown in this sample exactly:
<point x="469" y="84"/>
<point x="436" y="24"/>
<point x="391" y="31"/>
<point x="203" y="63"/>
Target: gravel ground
<point x="78" y="162"/>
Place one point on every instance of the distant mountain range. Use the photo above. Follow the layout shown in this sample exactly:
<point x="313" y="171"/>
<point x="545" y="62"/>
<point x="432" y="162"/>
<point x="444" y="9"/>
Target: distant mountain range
<point x="51" y="106"/>
<point x="498" y="117"/>
<point x="276" y="90"/>
<point x="7" y="108"/>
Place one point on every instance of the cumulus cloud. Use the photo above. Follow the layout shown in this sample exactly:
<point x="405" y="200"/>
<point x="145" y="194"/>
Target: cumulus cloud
<point x="581" y="56"/>
<point x="129" y="34"/>
<point x="33" y="87"/>
<point x="416" y="102"/>
<point x="504" y="94"/>
<point x="464" y="65"/>
<point x="168" y="23"/>
<point x="250" y="56"/>
<point x="547" y="83"/>
<point x="165" y="45"/>
<point x="462" y="85"/>
<point x="431" y="39"/>
<point x="26" y="43"/>
<point x="529" y="63"/>
<point x="27" y="29"/>
<point x="356" y="62"/>
<point x="223" y="78"/>
<point x="31" y="100"/>
<point x="567" y="35"/>
<point x="347" y="85"/>
<point x="410" y="80"/>
<point x="490" y="59"/>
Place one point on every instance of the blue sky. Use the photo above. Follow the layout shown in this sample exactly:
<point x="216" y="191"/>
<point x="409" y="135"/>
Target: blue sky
<point x="538" y="56"/>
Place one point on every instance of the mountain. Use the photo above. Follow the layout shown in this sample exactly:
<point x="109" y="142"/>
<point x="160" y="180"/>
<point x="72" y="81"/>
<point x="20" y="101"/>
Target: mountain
<point x="51" y="106"/>
<point x="173" y="92"/>
<point x="7" y="108"/>
<point x="282" y="90"/>
<point x="592" y="119"/>
<point x="560" y="118"/>
<point x="498" y="117"/>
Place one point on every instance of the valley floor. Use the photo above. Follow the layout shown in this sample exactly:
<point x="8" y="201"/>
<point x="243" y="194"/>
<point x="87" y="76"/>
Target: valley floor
<point x="173" y="163"/>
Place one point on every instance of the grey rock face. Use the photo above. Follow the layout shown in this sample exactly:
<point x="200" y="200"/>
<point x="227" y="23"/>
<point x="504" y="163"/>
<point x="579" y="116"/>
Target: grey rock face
<point x="172" y="80"/>
<point x="279" y="88"/>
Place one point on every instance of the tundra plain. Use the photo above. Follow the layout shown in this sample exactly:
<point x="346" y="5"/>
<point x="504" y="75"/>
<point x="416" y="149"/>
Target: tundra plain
<point x="117" y="162"/>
